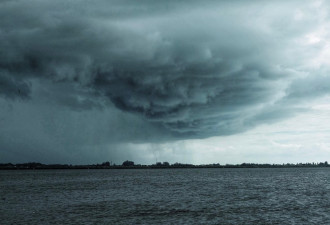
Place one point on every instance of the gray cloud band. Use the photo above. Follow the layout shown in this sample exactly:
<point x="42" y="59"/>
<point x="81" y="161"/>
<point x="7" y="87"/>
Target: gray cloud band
<point x="196" y="72"/>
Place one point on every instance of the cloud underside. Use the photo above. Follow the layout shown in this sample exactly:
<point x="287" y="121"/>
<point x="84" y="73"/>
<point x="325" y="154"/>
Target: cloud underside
<point x="192" y="71"/>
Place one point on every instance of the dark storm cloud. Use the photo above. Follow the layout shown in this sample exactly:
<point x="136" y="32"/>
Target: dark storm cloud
<point x="309" y="88"/>
<point x="13" y="88"/>
<point x="196" y="71"/>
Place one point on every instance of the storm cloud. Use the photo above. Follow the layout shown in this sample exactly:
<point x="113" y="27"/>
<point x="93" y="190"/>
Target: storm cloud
<point x="187" y="69"/>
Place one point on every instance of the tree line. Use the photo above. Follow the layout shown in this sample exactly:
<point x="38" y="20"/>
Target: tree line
<point x="131" y="165"/>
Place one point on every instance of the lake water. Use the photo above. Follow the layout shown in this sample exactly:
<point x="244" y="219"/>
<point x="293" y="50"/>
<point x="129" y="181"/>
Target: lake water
<point x="166" y="196"/>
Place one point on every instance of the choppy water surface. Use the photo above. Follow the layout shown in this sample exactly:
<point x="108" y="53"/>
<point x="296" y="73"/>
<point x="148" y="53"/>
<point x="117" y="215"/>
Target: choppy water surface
<point x="166" y="196"/>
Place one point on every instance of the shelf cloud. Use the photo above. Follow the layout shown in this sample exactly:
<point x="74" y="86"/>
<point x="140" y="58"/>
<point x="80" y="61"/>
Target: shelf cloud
<point x="190" y="69"/>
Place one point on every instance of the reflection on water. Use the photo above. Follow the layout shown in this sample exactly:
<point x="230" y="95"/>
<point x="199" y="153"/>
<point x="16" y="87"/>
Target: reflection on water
<point x="166" y="196"/>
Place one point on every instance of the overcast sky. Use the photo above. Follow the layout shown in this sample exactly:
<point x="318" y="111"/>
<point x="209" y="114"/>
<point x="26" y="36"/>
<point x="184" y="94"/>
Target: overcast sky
<point x="178" y="81"/>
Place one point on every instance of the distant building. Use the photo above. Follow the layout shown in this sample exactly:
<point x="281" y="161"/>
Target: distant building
<point x="128" y="163"/>
<point x="160" y="164"/>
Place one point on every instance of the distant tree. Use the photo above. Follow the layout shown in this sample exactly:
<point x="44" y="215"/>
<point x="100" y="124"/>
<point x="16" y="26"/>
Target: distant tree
<point x="106" y="164"/>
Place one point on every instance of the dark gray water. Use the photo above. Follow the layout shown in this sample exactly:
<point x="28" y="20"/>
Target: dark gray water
<point x="166" y="196"/>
